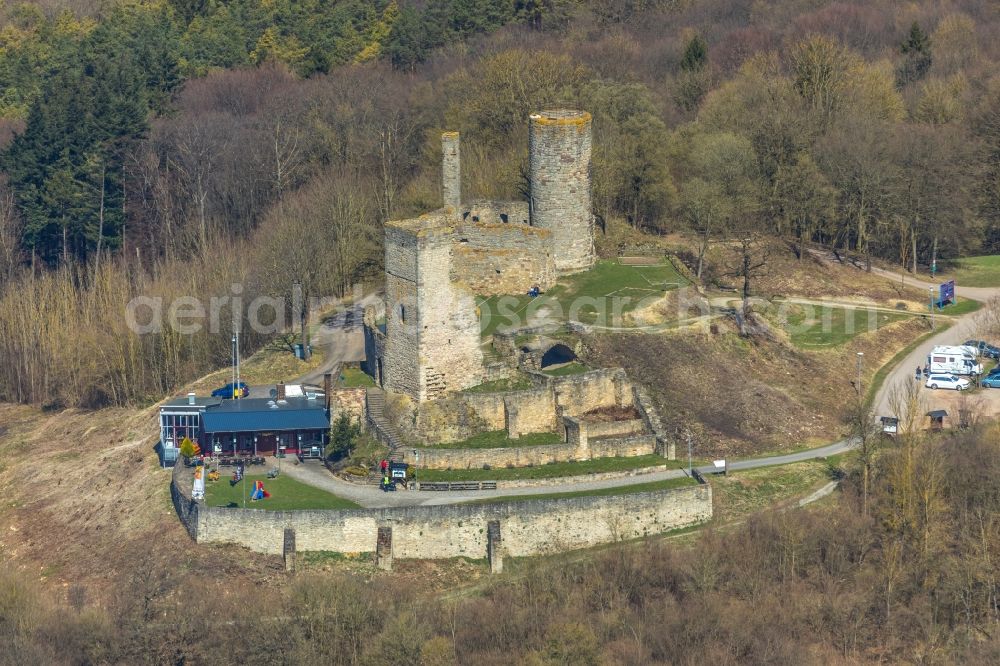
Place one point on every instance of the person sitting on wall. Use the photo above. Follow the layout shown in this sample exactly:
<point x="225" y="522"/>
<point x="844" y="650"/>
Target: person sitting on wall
<point x="535" y="291"/>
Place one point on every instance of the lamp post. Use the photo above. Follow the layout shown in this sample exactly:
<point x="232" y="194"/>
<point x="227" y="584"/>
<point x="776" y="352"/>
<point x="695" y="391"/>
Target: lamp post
<point x="687" y="435"/>
<point x="861" y="356"/>
<point x="930" y="293"/>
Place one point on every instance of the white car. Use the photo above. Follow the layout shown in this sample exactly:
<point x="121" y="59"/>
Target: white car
<point x="947" y="382"/>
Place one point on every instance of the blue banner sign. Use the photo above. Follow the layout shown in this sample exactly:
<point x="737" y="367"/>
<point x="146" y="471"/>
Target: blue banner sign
<point x="947" y="293"/>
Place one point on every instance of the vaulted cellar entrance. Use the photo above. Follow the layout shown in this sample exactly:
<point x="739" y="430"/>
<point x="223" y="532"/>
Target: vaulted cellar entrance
<point x="557" y="355"/>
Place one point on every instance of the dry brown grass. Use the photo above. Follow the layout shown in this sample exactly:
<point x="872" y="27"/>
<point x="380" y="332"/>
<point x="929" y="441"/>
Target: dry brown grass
<point x="742" y="397"/>
<point x="810" y="277"/>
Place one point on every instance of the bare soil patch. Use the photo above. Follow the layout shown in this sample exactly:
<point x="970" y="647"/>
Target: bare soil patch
<point x="741" y="397"/>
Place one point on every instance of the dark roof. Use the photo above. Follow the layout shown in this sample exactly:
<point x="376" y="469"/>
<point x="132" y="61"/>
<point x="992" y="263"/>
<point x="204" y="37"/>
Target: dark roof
<point x="261" y="414"/>
<point x="937" y="413"/>
<point x="182" y="401"/>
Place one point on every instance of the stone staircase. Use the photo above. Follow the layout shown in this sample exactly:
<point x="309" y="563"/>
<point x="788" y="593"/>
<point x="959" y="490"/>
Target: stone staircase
<point x="379" y="424"/>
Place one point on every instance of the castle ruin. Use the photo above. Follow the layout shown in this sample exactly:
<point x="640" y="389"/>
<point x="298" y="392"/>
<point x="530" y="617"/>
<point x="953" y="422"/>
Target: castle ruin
<point x="437" y="264"/>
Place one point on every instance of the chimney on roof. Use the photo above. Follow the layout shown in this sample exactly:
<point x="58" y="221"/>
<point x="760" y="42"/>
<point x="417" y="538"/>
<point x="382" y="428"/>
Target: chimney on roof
<point x="281" y="390"/>
<point x="327" y="385"/>
<point x="191" y="399"/>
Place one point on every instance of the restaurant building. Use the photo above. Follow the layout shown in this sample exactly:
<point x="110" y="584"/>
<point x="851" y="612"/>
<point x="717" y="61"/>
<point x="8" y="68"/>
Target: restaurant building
<point x="248" y="426"/>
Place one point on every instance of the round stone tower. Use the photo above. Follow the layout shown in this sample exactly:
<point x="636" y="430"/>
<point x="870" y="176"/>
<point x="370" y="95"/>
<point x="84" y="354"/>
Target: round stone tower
<point x="559" y="153"/>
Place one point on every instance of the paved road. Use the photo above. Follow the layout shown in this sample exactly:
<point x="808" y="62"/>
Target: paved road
<point x="370" y="496"/>
<point x="963" y="328"/>
<point x="340" y="338"/>
<point x="343" y="339"/>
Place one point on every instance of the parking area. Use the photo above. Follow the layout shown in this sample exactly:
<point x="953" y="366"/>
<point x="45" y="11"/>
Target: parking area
<point x="978" y="401"/>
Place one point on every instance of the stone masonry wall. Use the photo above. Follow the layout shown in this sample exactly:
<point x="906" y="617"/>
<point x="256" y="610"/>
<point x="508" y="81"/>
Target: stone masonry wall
<point x="451" y="171"/>
<point x="374" y="344"/>
<point x="634" y="445"/>
<point x="513" y="456"/>
<point x="187" y="509"/>
<point x="529" y="528"/>
<point x="578" y="394"/>
<point x="559" y="147"/>
<point x="400" y="361"/>
<point x="496" y="212"/>
<point x="432" y="331"/>
<point x="613" y="428"/>
<point x="494" y="259"/>
<point x="458" y="416"/>
<point x="350" y="401"/>
<point x="450" y="356"/>
<point x="530" y="411"/>
<point x="524" y="456"/>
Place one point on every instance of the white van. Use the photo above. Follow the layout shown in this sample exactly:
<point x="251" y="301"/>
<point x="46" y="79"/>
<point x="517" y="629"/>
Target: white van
<point x="953" y="360"/>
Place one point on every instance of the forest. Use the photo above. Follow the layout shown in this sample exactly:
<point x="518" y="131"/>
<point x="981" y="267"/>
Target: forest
<point x="177" y="148"/>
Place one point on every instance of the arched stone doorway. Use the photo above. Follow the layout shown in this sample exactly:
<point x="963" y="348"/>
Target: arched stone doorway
<point x="557" y="355"/>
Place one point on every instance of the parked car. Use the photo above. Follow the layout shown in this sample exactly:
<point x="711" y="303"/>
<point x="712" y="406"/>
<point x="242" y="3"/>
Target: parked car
<point x="985" y="348"/>
<point x="991" y="381"/>
<point x="994" y="371"/>
<point x="231" y="390"/>
<point x="947" y="382"/>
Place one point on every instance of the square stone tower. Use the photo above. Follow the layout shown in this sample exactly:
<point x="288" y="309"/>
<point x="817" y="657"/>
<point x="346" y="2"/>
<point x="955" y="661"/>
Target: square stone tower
<point x="432" y="341"/>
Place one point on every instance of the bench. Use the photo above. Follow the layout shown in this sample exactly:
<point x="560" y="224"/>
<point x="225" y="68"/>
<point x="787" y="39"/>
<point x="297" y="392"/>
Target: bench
<point x="464" y="485"/>
<point x="434" y="485"/>
<point x="457" y="485"/>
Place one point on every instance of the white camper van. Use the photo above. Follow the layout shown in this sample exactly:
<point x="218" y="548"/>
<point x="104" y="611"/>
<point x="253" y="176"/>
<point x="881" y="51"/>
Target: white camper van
<point x="953" y="360"/>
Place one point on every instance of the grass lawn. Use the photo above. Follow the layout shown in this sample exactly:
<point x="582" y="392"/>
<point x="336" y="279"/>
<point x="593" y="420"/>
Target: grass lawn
<point x="666" y="484"/>
<point x="833" y="326"/>
<point x="355" y="377"/>
<point x="960" y="307"/>
<point x="744" y="492"/>
<point x="594" y="297"/>
<point x="618" y="464"/>
<point x="286" y="494"/>
<point x="978" y="271"/>
<point x="497" y="439"/>
<point x="573" y="368"/>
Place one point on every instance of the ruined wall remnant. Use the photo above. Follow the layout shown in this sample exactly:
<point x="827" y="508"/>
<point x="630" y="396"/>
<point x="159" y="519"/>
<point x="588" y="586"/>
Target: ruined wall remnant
<point x="451" y="170"/>
<point x="502" y="258"/>
<point x="559" y="145"/>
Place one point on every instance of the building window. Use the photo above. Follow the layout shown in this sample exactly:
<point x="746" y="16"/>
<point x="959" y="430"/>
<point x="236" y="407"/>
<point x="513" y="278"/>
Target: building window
<point x="503" y="217"/>
<point x="402" y="313"/>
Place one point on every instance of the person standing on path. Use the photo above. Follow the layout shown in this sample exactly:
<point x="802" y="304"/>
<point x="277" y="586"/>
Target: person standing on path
<point x="917" y="375"/>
